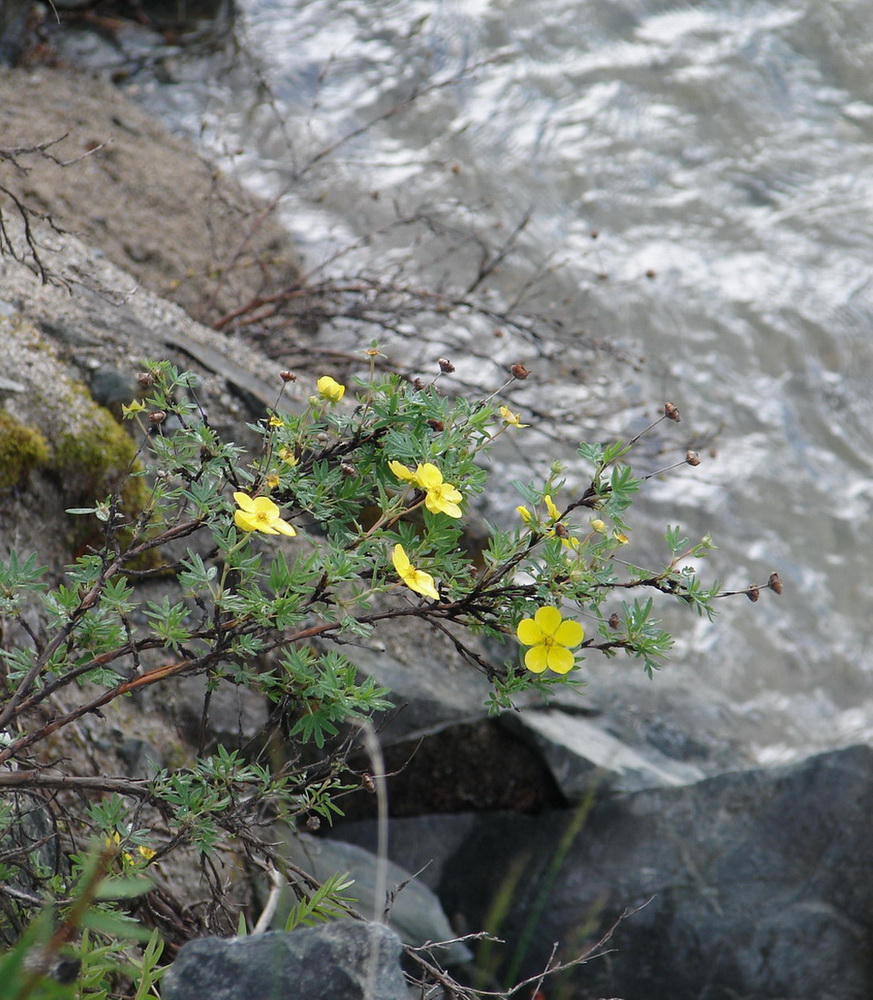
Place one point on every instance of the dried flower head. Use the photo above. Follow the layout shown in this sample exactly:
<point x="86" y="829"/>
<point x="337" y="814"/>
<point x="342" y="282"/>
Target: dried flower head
<point x="287" y="376"/>
<point x="519" y="371"/>
<point x="775" y="583"/>
<point x="671" y="412"/>
<point x="692" y="457"/>
<point x="753" y="593"/>
<point x="446" y="367"/>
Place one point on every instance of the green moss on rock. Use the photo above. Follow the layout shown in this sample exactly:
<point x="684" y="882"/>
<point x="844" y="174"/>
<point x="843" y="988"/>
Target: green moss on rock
<point x="95" y="457"/>
<point x="22" y="449"/>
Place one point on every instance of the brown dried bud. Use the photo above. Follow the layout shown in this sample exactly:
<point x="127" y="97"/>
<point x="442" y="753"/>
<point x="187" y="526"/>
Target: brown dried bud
<point x="436" y="425"/>
<point x="368" y="783"/>
<point x="497" y="333"/>
<point x="775" y="583"/>
<point x="613" y="620"/>
<point x="753" y="593"/>
<point x="561" y="531"/>
<point x="347" y="469"/>
<point x="157" y="417"/>
<point x="287" y="376"/>
<point x="650" y="274"/>
<point x="145" y="379"/>
<point x="671" y="412"/>
<point x="446" y="367"/>
<point x="417" y="384"/>
<point x="313" y="823"/>
<point x="692" y="458"/>
<point x="519" y="371"/>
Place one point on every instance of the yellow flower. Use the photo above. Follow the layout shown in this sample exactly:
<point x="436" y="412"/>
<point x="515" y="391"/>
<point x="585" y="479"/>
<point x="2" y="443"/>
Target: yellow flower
<point x="146" y="853"/>
<point x="415" y="579"/>
<point x="402" y="472"/>
<point x="554" y="513"/>
<point x="287" y="456"/>
<point x="275" y="421"/>
<point x="330" y="389"/>
<point x="272" y="481"/>
<point x="137" y="406"/>
<point x="442" y="498"/>
<point x="550" y="637"/>
<point x="259" y="514"/>
<point x="524" y="514"/>
<point x="511" y="418"/>
<point x="620" y="537"/>
<point x="598" y="525"/>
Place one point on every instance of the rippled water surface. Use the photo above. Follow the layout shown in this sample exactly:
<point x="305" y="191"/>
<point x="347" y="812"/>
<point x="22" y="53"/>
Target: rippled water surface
<point x="722" y="154"/>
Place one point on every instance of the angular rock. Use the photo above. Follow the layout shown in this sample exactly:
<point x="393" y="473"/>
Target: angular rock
<point x="345" y="960"/>
<point x="415" y="913"/>
<point x="755" y="885"/>
<point x="583" y="757"/>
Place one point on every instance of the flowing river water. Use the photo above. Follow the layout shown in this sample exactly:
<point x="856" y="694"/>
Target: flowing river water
<point x="696" y="186"/>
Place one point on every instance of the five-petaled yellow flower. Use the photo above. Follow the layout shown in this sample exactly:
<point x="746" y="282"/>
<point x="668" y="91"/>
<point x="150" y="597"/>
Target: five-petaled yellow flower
<point x="551" y="637"/>
<point x="136" y="406"/>
<point x="287" y="455"/>
<point x="259" y="514"/>
<point x="511" y="418"/>
<point x="330" y="389"/>
<point x="415" y="579"/>
<point x="441" y="497"/>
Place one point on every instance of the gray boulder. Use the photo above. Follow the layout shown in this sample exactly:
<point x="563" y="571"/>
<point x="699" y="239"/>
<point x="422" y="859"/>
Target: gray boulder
<point x="754" y="885"/>
<point x="346" y="960"/>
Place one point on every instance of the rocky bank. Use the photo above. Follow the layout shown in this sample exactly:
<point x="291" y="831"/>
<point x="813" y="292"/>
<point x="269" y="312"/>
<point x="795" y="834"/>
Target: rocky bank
<point x="722" y="882"/>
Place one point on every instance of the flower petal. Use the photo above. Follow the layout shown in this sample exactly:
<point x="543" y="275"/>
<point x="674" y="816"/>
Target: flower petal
<point x="536" y="659"/>
<point x="422" y="583"/>
<point x="401" y="471"/>
<point x="244" y="501"/>
<point x="569" y="633"/>
<point x="528" y="632"/>
<point x="549" y="619"/>
<point x="283" y="527"/>
<point x="428" y="476"/>
<point x="401" y="560"/>
<point x="265" y="507"/>
<point x="244" y="521"/>
<point x="559" y="659"/>
<point x="554" y="513"/>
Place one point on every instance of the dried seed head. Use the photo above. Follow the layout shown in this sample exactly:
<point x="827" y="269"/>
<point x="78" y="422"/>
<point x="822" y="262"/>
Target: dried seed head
<point x="775" y="583"/>
<point x="436" y="425"/>
<point x="287" y="376"/>
<point x="561" y="531"/>
<point x="313" y="823"/>
<point x="368" y="783"/>
<point x="753" y="593"/>
<point x="157" y="417"/>
<point x="446" y="367"/>
<point x="692" y="458"/>
<point x="347" y="469"/>
<point x="145" y="379"/>
<point x="519" y="371"/>
<point x="417" y="384"/>
<point x="671" y="412"/>
<point x="613" y="620"/>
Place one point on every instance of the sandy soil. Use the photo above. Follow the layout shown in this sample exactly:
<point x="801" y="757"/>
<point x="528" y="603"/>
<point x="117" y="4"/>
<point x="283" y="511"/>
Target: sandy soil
<point x="123" y="184"/>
